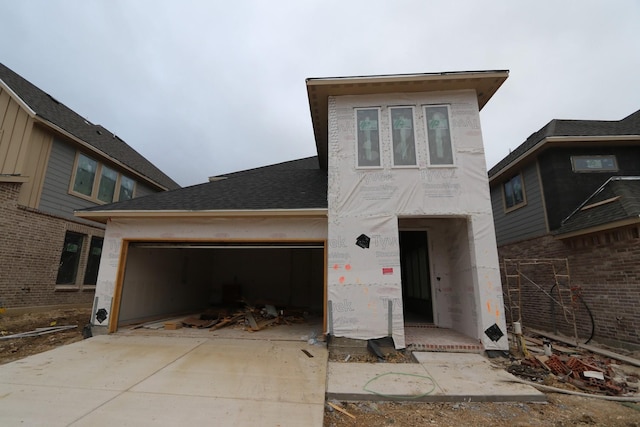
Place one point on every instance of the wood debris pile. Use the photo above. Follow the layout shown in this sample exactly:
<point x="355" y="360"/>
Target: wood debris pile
<point x="583" y="370"/>
<point x="251" y="318"/>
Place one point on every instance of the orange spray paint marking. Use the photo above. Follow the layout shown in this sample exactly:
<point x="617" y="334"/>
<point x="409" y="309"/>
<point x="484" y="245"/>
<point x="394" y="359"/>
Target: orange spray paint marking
<point x="497" y="313"/>
<point x="341" y="279"/>
<point x="489" y="306"/>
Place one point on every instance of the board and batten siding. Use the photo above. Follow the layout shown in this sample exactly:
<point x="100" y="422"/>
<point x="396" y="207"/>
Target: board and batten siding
<point x="35" y="167"/>
<point x="522" y="223"/>
<point x="15" y="131"/>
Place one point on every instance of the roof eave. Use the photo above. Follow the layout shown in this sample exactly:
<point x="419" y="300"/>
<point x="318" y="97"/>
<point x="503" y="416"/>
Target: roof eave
<point x="599" y="228"/>
<point x="93" y="149"/>
<point x="106" y="215"/>
<point x="547" y="141"/>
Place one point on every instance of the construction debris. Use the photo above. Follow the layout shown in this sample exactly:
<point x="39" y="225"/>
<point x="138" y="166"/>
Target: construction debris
<point x="251" y="318"/>
<point x="39" y="331"/>
<point x="572" y="366"/>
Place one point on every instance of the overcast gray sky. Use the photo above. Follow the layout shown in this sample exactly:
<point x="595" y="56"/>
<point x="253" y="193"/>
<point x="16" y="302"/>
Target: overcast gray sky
<point x="203" y="88"/>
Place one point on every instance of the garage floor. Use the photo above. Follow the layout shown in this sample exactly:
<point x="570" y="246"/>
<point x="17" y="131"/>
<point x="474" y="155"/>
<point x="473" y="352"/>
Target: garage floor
<point x="132" y="380"/>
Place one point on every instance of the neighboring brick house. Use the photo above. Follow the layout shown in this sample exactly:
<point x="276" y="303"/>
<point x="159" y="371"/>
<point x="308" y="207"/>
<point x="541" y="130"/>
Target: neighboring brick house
<point x="52" y="162"/>
<point x="388" y="229"/>
<point x="571" y="192"/>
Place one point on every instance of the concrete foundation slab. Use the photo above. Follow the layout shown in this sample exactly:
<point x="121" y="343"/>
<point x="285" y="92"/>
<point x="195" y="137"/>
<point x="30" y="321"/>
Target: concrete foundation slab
<point x="166" y="381"/>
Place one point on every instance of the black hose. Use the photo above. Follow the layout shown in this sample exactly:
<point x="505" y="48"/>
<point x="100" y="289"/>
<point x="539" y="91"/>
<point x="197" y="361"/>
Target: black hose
<point x="593" y="322"/>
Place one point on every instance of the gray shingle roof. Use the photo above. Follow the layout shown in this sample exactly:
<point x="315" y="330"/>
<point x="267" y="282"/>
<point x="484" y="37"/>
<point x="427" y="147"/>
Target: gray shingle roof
<point x="630" y="125"/>
<point x="622" y="201"/>
<point x="51" y="110"/>
<point x="297" y="184"/>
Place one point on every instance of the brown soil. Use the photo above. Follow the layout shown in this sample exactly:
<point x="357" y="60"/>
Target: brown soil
<point x="17" y="348"/>
<point x="560" y="410"/>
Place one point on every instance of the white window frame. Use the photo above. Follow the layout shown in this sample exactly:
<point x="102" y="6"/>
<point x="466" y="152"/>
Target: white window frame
<point x="412" y="135"/>
<point x="358" y="141"/>
<point x="425" y="107"/>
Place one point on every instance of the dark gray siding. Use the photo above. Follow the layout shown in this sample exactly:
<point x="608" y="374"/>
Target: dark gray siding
<point x="525" y="222"/>
<point x="566" y="190"/>
<point x="143" y="190"/>
<point x="55" y="197"/>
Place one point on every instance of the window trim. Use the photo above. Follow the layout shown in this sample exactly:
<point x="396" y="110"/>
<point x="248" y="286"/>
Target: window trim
<point x="515" y="206"/>
<point x="96" y="181"/>
<point x="357" y="138"/>
<point x="91" y="239"/>
<point x="430" y="164"/>
<point x="413" y="132"/>
<point x="77" y="263"/>
<point x="575" y="169"/>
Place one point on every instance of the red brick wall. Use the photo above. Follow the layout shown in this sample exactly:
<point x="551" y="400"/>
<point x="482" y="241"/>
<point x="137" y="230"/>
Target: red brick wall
<point x="30" y="247"/>
<point x="606" y="269"/>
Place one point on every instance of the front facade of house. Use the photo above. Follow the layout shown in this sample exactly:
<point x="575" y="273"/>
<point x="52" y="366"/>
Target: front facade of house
<point x="52" y="162"/>
<point x="390" y="224"/>
<point x="569" y="193"/>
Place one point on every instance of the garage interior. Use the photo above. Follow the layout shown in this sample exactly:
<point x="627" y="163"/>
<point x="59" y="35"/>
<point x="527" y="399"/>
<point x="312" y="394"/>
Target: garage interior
<point x="164" y="279"/>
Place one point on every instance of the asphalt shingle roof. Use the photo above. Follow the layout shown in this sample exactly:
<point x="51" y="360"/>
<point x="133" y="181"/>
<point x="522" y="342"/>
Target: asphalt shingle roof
<point x="630" y="125"/>
<point x="297" y="184"/>
<point x="622" y="196"/>
<point x="51" y="110"/>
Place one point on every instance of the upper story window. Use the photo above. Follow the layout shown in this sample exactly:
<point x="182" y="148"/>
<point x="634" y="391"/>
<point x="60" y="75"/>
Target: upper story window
<point x="594" y="163"/>
<point x="439" y="135"/>
<point x="403" y="136"/>
<point x="368" y="139"/>
<point x="514" y="195"/>
<point x="99" y="183"/>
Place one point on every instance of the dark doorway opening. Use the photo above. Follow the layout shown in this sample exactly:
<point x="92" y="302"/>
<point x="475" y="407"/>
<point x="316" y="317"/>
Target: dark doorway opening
<point x="416" y="277"/>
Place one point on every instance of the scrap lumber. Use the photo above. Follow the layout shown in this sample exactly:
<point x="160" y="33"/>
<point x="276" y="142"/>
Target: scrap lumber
<point x="593" y="349"/>
<point x="198" y="322"/>
<point x="173" y="325"/>
<point x="227" y="321"/>
<point x="252" y="321"/>
<point x="339" y="409"/>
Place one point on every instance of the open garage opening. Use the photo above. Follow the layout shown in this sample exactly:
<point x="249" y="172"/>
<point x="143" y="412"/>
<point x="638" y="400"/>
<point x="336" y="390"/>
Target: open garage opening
<point x="163" y="279"/>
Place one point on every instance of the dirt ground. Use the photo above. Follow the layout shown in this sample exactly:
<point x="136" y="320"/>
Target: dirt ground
<point x="17" y="348"/>
<point x="560" y="410"/>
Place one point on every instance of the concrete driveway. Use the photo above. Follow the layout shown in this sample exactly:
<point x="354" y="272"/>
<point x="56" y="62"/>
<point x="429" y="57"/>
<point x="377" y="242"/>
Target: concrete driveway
<point x="117" y="380"/>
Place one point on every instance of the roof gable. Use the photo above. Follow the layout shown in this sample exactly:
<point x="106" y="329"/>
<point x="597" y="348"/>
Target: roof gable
<point x="55" y="114"/>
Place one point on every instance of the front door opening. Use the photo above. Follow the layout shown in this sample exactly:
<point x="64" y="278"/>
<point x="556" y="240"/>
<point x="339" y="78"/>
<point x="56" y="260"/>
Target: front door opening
<point x="416" y="277"/>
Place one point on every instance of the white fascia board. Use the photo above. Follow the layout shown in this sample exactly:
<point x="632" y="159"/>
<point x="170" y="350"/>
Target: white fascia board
<point x="97" y="215"/>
